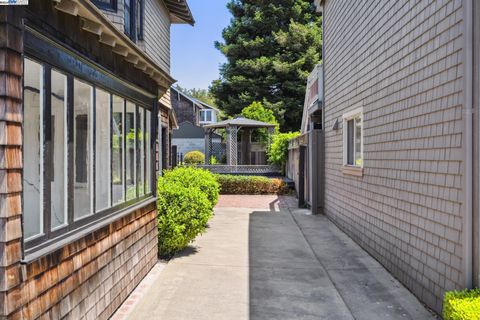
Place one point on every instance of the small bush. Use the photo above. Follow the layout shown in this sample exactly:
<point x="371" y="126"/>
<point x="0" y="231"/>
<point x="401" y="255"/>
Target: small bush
<point x="231" y="184"/>
<point x="194" y="157"/>
<point x="191" y="177"/>
<point x="462" y="305"/>
<point x="183" y="214"/>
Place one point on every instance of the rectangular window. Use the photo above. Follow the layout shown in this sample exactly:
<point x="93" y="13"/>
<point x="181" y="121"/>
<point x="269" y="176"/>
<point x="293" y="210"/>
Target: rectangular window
<point x="130" y="150"/>
<point x="141" y="151"/>
<point x="102" y="150"/>
<point x="86" y="153"/>
<point x="33" y="149"/>
<point x="110" y="5"/>
<point x="353" y="140"/>
<point x="148" y="151"/>
<point x="118" y="169"/>
<point x="134" y="19"/>
<point x="82" y="141"/>
<point x="59" y="202"/>
<point x="206" y="116"/>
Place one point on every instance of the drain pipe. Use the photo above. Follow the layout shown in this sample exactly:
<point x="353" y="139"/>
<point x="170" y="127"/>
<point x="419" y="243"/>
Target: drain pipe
<point x="468" y="91"/>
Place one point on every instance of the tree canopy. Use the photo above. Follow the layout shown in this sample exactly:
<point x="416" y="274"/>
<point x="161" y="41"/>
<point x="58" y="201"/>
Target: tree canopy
<point x="271" y="47"/>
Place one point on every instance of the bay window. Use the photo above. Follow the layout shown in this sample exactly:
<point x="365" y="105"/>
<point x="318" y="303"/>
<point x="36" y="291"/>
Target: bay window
<point x="87" y="151"/>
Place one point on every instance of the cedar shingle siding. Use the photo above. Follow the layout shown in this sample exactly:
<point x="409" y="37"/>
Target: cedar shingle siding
<point x="402" y="62"/>
<point x="88" y="273"/>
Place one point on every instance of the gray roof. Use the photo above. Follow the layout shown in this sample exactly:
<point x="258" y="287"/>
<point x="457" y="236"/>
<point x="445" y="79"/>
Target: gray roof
<point x="240" y="122"/>
<point x="187" y="130"/>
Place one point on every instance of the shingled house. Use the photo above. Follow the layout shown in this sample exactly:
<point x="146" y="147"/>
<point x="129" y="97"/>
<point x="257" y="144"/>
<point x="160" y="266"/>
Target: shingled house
<point x="80" y="83"/>
<point x="395" y="136"/>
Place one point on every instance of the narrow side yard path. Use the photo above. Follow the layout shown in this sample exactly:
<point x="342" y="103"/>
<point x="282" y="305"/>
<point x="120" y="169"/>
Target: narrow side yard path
<point x="263" y="259"/>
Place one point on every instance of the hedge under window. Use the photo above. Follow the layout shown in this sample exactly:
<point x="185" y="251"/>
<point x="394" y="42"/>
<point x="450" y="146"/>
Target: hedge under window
<point x="86" y="152"/>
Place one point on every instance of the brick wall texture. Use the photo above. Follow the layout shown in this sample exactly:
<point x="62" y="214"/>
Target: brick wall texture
<point x="402" y="62"/>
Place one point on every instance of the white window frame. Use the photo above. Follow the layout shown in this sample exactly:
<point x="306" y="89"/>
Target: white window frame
<point x="212" y="113"/>
<point x="356" y="113"/>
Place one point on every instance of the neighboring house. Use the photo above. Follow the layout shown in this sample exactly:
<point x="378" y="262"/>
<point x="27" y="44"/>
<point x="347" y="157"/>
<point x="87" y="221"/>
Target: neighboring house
<point x="189" y="109"/>
<point x="399" y="147"/>
<point x="192" y="114"/>
<point x="189" y="137"/>
<point x="80" y="83"/>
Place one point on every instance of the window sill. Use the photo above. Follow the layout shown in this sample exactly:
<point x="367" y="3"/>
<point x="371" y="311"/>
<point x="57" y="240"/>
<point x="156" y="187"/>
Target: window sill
<point x="353" y="171"/>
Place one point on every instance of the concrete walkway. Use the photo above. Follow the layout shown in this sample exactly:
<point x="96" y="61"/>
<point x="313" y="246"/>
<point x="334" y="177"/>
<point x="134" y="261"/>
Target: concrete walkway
<point x="263" y="259"/>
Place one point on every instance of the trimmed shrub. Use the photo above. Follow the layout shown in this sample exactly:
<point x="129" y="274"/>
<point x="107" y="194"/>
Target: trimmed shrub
<point x="462" y="305"/>
<point x="231" y="184"/>
<point x="191" y="177"/>
<point x="183" y="214"/>
<point x="194" y="157"/>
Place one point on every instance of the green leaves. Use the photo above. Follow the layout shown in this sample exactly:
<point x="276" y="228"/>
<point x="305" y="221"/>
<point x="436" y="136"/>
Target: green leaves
<point x="462" y="305"/>
<point x="271" y="47"/>
<point x="278" y="152"/>
<point x="186" y="197"/>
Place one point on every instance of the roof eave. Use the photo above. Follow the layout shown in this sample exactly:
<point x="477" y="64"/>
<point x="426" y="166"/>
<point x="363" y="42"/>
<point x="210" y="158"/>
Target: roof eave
<point x="180" y="12"/>
<point x="96" y="22"/>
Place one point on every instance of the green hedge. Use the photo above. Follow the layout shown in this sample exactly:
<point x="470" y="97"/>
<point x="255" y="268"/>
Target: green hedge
<point x="232" y="184"/>
<point x="462" y="305"/>
<point x="186" y="197"/>
<point x="192" y="177"/>
<point x="194" y="157"/>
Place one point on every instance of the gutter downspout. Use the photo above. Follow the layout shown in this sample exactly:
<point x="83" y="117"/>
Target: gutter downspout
<point x="468" y="90"/>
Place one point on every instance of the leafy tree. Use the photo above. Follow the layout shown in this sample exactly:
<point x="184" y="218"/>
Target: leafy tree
<point x="256" y="111"/>
<point x="271" y="47"/>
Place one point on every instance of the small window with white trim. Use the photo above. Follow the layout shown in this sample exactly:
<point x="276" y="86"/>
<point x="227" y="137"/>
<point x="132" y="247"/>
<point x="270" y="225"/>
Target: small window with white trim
<point x="353" y="139"/>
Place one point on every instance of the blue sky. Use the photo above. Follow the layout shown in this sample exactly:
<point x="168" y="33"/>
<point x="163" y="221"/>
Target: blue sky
<point x="194" y="59"/>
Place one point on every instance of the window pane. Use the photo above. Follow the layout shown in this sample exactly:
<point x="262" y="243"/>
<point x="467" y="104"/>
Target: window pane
<point x="130" y="153"/>
<point x="59" y="147"/>
<point x="82" y="109"/>
<point x="33" y="149"/>
<point x="102" y="150"/>
<point x="141" y="146"/>
<point x="117" y="151"/>
<point x="208" y="116"/>
<point x="358" y="142"/>
<point x="350" y="133"/>
<point x="127" y="17"/>
<point x="148" y="152"/>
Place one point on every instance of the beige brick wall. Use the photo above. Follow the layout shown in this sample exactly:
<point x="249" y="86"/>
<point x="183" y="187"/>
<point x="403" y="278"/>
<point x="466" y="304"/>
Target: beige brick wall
<point x="402" y="62"/>
<point x="156" y="41"/>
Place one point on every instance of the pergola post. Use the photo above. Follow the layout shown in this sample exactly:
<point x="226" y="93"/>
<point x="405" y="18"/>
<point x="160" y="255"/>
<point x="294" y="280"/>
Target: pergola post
<point x="232" y="145"/>
<point x="246" y="146"/>
<point x="208" y="145"/>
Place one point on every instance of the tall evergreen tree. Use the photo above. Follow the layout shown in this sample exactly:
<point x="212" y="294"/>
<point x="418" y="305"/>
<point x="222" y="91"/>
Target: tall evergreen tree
<point x="271" y="46"/>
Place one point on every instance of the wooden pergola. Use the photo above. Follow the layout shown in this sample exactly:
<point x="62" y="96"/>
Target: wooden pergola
<point x="233" y="127"/>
